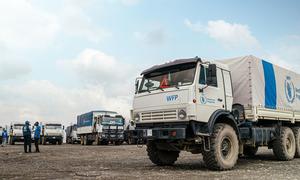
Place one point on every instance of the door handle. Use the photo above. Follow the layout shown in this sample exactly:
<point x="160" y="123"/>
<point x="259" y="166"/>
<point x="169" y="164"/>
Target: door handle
<point x="219" y="99"/>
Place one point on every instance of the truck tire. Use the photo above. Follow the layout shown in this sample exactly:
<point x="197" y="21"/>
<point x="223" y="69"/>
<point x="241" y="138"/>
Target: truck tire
<point x="85" y="141"/>
<point x="118" y="143"/>
<point x="296" y="131"/>
<point x="161" y="157"/>
<point x="59" y="142"/>
<point x="284" y="147"/>
<point x="43" y="141"/>
<point x="104" y="142"/>
<point x="224" y="148"/>
<point x="250" y="151"/>
<point x="82" y="140"/>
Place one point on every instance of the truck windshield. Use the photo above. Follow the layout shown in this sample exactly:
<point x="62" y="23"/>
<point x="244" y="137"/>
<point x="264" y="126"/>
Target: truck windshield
<point x="53" y="126"/>
<point x="112" y="121"/>
<point x="19" y="126"/>
<point x="173" y="76"/>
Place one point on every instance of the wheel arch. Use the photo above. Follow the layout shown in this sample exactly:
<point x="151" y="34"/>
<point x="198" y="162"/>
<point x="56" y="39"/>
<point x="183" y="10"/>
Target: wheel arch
<point x="222" y="116"/>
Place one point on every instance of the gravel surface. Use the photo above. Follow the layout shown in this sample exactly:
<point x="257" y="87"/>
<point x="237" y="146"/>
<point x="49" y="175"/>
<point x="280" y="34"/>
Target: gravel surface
<point x="130" y="162"/>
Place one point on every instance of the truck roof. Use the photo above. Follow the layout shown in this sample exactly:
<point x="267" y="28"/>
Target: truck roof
<point x="171" y="63"/>
<point x="99" y="111"/>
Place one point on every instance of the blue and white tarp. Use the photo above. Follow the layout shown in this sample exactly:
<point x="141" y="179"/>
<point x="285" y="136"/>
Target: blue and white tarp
<point x="257" y="82"/>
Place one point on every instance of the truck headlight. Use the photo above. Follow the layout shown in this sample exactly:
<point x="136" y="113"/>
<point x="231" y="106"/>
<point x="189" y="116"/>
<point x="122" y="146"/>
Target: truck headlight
<point x="137" y="117"/>
<point x="181" y="114"/>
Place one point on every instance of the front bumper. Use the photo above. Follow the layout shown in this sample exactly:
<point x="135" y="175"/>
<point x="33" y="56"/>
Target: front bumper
<point x="162" y="133"/>
<point x="53" y="138"/>
<point x="18" y="138"/>
<point x="112" y="137"/>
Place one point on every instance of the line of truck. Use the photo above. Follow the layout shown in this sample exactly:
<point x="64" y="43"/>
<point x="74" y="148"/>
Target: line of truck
<point x="220" y="109"/>
<point x="52" y="133"/>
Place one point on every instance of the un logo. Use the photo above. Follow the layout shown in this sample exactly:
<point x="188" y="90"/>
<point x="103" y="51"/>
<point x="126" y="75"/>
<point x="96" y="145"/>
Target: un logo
<point x="289" y="87"/>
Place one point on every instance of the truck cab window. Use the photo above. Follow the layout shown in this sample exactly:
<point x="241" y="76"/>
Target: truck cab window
<point x="202" y="78"/>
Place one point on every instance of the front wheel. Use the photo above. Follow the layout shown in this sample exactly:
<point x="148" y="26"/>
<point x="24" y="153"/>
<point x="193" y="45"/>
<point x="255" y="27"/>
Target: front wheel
<point x="60" y="142"/>
<point x="296" y="131"/>
<point x="284" y="147"/>
<point x="161" y="157"/>
<point x="224" y="148"/>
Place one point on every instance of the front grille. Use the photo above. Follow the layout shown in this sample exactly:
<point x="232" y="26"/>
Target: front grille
<point x="168" y="115"/>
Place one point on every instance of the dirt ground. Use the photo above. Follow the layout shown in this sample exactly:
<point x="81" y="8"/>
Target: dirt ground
<point x="130" y="162"/>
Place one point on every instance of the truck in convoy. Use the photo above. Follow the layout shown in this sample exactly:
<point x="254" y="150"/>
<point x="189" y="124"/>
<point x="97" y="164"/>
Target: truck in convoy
<point x="52" y="133"/>
<point x="71" y="134"/>
<point x="100" y="127"/>
<point x="221" y="109"/>
<point x="16" y="133"/>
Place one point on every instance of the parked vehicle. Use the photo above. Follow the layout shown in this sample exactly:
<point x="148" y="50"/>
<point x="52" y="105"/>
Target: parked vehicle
<point x="16" y="133"/>
<point x="221" y="109"/>
<point x="52" y="133"/>
<point x="71" y="135"/>
<point x="131" y="136"/>
<point x="100" y="127"/>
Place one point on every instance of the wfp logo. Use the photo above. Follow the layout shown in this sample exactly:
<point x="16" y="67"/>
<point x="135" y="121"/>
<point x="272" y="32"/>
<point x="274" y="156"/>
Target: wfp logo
<point x="290" y="91"/>
<point x="203" y="100"/>
<point x="172" y="98"/>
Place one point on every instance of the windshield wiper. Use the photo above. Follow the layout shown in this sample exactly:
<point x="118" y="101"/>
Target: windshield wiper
<point x="177" y="87"/>
<point x="161" y="88"/>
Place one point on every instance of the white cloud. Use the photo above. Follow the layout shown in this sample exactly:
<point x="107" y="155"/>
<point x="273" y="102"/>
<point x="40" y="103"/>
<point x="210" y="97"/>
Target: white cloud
<point x="24" y="26"/>
<point x="94" y="66"/>
<point x="155" y="36"/>
<point x="13" y="69"/>
<point x="287" y="53"/>
<point x="76" y="23"/>
<point x="229" y="35"/>
<point x="44" y="101"/>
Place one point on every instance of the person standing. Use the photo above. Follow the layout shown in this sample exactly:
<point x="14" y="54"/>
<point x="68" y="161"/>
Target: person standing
<point x="4" y="137"/>
<point x="37" y="135"/>
<point x="27" y="137"/>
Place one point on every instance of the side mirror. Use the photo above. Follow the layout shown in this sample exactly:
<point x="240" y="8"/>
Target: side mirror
<point x="63" y="127"/>
<point x="211" y="79"/>
<point x="137" y="84"/>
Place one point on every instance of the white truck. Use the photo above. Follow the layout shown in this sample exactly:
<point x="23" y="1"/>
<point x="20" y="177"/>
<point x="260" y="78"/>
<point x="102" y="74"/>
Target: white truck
<point x="16" y="133"/>
<point x="100" y="127"/>
<point x="52" y="133"/>
<point x="221" y="109"/>
<point x="71" y="135"/>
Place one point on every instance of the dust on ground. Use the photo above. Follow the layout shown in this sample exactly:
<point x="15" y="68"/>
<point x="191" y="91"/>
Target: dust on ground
<point x="130" y="162"/>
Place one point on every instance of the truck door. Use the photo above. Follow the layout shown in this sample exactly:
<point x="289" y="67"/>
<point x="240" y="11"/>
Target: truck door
<point x="209" y="92"/>
<point x="227" y="89"/>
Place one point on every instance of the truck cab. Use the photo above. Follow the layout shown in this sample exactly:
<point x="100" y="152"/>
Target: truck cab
<point x="195" y="105"/>
<point x="184" y="91"/>
<point x="112" y="129"/>
<point x="52" y="133"/>
<point x="71" y="135"/>
<point x="16" y="133"/>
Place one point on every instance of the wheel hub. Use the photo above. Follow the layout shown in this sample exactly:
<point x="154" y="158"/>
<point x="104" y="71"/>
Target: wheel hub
<point x="226" y="147"/>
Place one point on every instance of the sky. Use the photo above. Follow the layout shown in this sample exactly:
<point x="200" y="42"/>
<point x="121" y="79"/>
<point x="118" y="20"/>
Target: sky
<point x="62" y="58"/>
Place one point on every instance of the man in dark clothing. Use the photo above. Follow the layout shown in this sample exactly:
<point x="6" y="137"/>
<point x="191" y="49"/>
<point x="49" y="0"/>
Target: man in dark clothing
<point x="37" y="135"/>
<point x="27" y="136"/>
